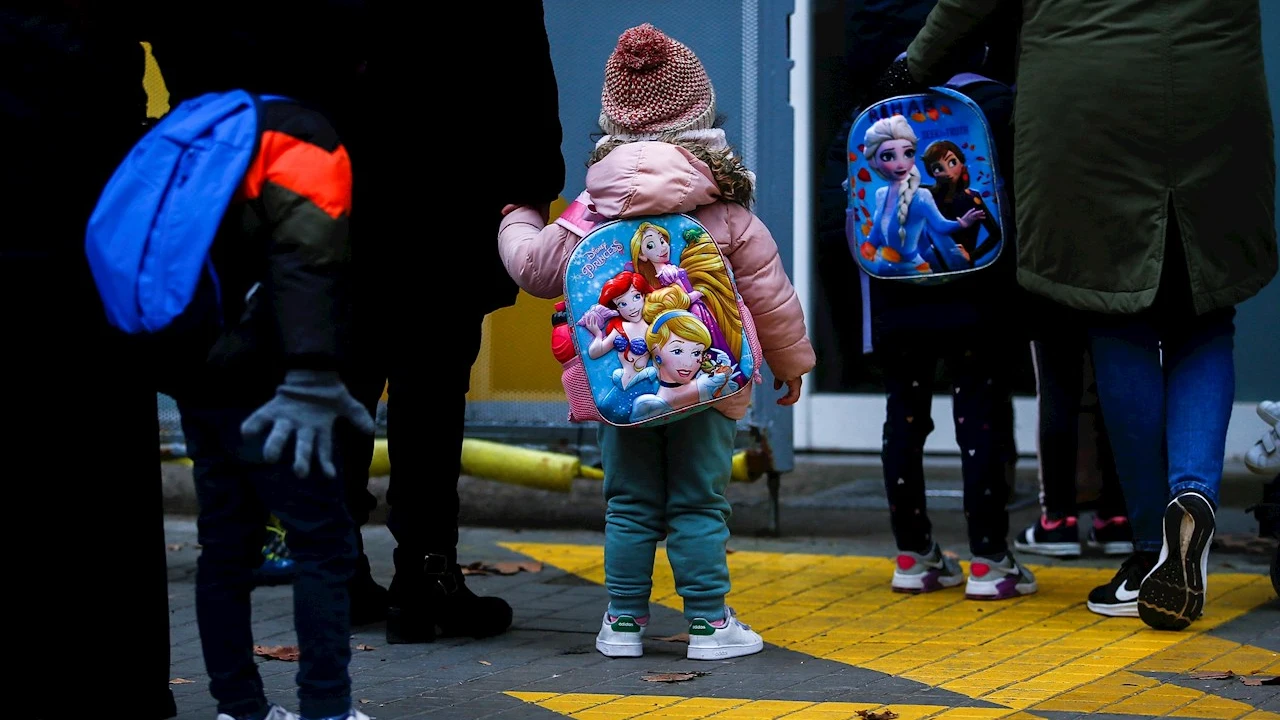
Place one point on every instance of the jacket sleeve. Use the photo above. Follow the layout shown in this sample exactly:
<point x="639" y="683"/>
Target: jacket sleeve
<point x="949" y="24"/>
<point x="533" y="254"/>
<point x="301" y="179"/>
<point x="769" y="296"/>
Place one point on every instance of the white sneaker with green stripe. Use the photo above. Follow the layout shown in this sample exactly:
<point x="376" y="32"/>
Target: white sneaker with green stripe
<point x="620" y="636"/>
<point x="723" y="639"/>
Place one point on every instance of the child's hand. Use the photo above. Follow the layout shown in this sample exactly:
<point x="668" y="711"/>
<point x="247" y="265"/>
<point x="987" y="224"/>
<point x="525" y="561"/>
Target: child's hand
<point x="793" y="390"/>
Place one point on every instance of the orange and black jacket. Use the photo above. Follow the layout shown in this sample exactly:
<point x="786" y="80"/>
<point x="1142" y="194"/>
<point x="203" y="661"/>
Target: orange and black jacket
<point x="281" y="255"/>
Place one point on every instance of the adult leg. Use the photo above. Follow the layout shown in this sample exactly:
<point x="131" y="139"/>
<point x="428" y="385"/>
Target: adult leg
<point x="1200" y="388"/>
<point x="1126" y="360"/>
<point x="425" y="427"/>
<point x="1058" y="363"/>
<point x="1110" y="532"/>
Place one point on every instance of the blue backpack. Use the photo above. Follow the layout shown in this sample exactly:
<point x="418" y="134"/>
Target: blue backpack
<point x="950" y="218"/>
<point x="149" y="236"/>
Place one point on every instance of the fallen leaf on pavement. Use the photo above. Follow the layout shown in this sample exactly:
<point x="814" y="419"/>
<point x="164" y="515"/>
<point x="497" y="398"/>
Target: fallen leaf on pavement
<point x="1255" y="681"/>
<point x="1212" y="675"/>
<point x="678" y="637"/>
<point x="877" y="714"/>
<point x="485" y="662"/>
<point x="729" y="551"/>
<point x="501" y="568"/>
<point x="175" y="547"/>
<point x="365" y="701"/>
<point x="673" y="677"/>
<point x="364" y="647"/>
<point x="287" y="653"/>
<point x="180" y="681"/>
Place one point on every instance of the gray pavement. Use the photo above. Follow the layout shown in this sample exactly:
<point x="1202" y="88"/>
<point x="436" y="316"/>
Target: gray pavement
<point x="837" y="641"/>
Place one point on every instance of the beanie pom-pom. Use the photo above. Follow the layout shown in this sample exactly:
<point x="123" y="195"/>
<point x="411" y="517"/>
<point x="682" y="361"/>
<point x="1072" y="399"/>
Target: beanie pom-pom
<point x="642" y="47"/>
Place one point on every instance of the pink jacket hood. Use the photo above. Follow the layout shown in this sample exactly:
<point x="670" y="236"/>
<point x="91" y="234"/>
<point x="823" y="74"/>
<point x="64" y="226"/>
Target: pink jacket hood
<point x="647" y="178"/>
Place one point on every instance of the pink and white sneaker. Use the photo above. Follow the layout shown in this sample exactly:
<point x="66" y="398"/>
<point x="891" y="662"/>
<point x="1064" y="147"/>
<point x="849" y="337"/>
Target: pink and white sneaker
<point x="934" y="570"/>
<point x="991" y="579"/>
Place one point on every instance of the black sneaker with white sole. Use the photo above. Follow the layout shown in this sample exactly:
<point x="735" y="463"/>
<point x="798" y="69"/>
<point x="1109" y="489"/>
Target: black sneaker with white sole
<point x="1111" y="536"/>
<point x="1172" y="596"/>
<point x="1119" y="598"/>
<point x="1058" y="537"/>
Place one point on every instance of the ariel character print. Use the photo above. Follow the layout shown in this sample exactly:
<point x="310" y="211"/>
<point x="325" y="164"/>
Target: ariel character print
<point x="687" y="368"/>
<point x="901" y="214"/>
<point x="617" y="325"/>
<point x="703" y="277"/>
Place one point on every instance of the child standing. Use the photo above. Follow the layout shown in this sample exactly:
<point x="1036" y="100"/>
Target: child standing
<point x="661" y="153"/>
<point x="971" y="323"/>
<point x="260" y="398"/>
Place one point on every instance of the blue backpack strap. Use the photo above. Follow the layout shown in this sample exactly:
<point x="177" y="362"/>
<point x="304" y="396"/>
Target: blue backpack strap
<point x="149" y="236"/>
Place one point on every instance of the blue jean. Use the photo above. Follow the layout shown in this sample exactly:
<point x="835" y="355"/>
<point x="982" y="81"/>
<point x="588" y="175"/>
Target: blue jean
<point x="1167" y="420"/>
<point x="668" y="481"/>
<point x="237" y="489"/>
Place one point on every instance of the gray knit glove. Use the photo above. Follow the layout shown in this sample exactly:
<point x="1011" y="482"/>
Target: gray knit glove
<point x="307" y="404"/>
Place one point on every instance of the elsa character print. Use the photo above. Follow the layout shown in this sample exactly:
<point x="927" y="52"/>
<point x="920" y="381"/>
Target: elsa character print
<point x="701" y="274"/>
<point x="680" y="345"/>
<point x="894" y="246"/>
<point x="617" y="325"/>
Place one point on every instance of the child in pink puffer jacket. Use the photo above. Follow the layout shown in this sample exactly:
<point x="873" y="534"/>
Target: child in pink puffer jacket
<point x="662" y="154"/>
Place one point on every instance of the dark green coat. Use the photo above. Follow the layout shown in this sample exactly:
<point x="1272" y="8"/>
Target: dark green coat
<point x="1125" y="110"/>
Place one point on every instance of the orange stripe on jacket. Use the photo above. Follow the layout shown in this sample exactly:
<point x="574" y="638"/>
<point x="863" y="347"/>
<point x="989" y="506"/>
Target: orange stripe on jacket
<point x="322" y="177"/>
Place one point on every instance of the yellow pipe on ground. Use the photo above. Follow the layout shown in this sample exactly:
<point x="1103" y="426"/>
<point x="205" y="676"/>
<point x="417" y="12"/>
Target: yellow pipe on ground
<point x="514" y="465"/>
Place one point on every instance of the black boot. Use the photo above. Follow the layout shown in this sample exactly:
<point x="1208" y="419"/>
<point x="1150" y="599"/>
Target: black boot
<point x="432" y="599"/>
<point x="369" y="600"/>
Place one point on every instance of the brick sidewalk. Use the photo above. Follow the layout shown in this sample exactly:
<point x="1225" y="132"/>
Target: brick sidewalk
<point x="838" y="641"/>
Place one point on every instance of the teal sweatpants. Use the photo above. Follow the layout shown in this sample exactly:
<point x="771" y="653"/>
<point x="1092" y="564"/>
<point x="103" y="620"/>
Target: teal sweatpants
<point x="668" y="480"/>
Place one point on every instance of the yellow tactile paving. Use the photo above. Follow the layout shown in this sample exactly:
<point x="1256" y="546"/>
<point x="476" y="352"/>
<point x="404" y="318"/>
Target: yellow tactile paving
<point x="1042" y="653"/>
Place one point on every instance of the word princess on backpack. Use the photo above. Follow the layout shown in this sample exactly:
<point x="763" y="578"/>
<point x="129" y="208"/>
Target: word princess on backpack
<point x="149" y="236"/>
<point x="926" y="200"/>
<point x="659" y="330"/>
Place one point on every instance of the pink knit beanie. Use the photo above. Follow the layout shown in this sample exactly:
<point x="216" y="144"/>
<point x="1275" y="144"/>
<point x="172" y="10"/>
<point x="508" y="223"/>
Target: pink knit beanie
<point x="654" y="84"/>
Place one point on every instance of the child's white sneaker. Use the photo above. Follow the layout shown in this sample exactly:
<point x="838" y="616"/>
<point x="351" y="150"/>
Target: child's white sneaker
<point x="991" y="579"/>
<point x="620" y="636"/>
<point x="723" y="639"/>
<point x="1269" y="411"/>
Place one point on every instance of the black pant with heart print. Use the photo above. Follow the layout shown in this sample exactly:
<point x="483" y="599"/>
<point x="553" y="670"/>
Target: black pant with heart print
<point x="979" y="368"/>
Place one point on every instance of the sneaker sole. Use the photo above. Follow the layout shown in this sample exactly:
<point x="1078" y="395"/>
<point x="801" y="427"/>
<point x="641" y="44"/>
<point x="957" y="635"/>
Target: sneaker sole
<point x="724" y="653"/>
<point x="1129" y="609"/>
<point x="1112" y="548"/>
<point x="618" y="650"/>
<point x="999" y="590"/>
<point x="930" y="581"/>
<point x="1062" y="549"/>
<point x="1172" y="594"/>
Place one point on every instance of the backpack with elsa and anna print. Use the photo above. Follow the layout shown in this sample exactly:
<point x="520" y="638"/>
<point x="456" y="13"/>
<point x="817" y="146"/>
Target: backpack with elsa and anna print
<point x="926" y="200"/>
<point x="652" y="328"/>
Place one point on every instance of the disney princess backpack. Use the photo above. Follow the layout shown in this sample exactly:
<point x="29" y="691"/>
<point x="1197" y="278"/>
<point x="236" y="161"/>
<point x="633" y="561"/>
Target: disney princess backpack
<point x="652" y="327"/>
<point x="926" y="200"/>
